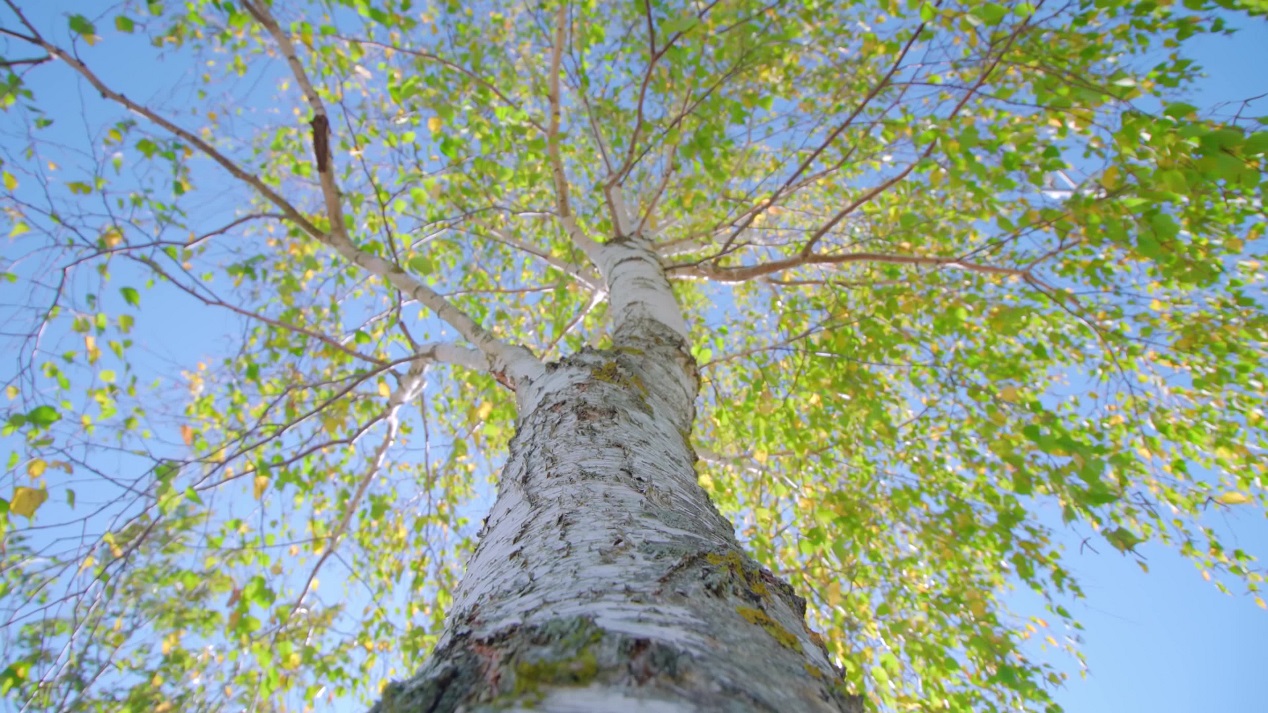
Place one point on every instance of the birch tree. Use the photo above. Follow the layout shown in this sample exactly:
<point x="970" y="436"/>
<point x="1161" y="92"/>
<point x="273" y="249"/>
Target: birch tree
<point x="610" y="356"/>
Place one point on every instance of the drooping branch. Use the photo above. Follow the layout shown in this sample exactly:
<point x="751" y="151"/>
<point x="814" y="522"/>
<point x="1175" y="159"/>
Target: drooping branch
<point x="410" y="388"/>
<point x="212" y="300"/>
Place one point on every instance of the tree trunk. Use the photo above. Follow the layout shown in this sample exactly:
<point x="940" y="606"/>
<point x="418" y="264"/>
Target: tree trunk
<point x="605" y="579"/>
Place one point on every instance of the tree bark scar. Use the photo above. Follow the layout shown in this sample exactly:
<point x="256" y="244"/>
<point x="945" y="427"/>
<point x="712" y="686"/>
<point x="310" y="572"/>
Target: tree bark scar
<point x="321" y="142"/>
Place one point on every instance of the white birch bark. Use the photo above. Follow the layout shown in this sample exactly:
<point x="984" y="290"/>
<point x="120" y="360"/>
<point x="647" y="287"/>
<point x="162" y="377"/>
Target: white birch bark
<point x="604" y="579"/>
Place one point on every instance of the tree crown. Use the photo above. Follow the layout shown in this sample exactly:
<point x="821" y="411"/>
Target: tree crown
<point x="947" y="268"/>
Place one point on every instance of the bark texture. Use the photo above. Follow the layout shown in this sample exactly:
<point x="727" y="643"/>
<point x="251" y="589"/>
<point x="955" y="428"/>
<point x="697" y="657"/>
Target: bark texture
<point x="605" y="579"/>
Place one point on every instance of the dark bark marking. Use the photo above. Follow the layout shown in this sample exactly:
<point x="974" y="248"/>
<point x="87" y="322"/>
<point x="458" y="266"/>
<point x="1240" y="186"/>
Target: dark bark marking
<point x="321" y="142"/>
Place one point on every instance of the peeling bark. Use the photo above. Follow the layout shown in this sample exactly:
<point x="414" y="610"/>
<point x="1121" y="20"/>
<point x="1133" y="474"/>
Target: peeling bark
<point x="605" y="579"/>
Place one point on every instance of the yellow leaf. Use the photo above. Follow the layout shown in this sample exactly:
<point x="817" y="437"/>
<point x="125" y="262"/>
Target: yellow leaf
<point x="1233" y="498"/>
<point x="90" y="346"/>
<point x="10" y="183"/>
<point x="187" y="434"/>
<point x="110" y="539"/>
<point x="88" y="562"/>
<point x="1206" y="575"/>
<point x="485" y="409"/>
<point x="11" y="391"/>
<point x="384" y="390"/>
<point x="1259" y="601"/>
<point x="433" y="124"/>
<point x="761" y="456"/>
<point x="111" y="236"/>
<point x="261" y="483"/>
<point x="27" y="500"/>
<point x="1009" y="394"/>
<point x="36" y="467"/>
<point x="1109" y="179"/>
<point x="332" y="424"/>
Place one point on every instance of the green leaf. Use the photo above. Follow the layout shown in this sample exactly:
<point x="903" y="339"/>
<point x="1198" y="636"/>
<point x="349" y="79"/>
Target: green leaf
<point x="421" y="265"/>
<point x="43" y="416"/>
<point x="130" y="296"/>
<point x="1124" y="540"/>
<point x="990" y="13"/>
<point x="679" y="24"/>
<point x="1180" y="110"/>
<point x="13" y="676"/>
<point x="81" y="26"/>
<point x="1256" y="144"/>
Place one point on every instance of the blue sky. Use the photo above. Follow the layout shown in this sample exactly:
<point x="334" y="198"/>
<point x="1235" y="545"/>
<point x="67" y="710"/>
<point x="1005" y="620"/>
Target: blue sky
<point x="1166" y="642"/>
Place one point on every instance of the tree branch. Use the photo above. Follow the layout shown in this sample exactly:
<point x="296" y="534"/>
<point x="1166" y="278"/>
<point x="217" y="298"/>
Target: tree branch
<point x="591" y="281"/>
<point x="751" y="272"/>
<point x="514" y="361"/>
<point x="588" y="246"/>
<point x="832" y="136"/>
<point x="291" y="212"/>
<point x="213" y="301"/>
<point x="452" y="66"/>
<point x="877" y="190"/>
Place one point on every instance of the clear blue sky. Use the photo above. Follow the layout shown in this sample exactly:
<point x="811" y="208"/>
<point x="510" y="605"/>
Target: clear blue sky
<point x="1166" y="642"/>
